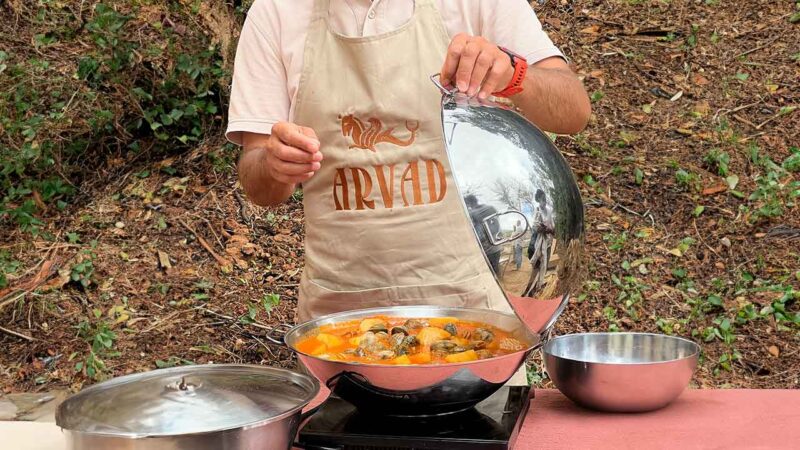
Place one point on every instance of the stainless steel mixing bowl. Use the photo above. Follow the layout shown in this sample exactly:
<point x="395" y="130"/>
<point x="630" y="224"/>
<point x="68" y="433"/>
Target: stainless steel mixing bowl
<point x="620" y="372"/>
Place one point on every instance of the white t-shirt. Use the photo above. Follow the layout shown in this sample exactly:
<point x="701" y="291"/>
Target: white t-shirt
<point x="269" y="58"/>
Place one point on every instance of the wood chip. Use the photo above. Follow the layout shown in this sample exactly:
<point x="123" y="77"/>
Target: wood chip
<point x="716" y="189"/>
<point x="163" y="260"/>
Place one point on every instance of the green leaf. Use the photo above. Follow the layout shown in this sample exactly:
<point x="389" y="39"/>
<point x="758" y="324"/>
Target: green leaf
<point x="626" y="265"/>
<point x="732" y="181"/>
<point x="794" y="18"/>
<point x="737" y="194"/>
<point x="792" y="163"/>
<point x="638" y="176"/>
<point x="742" y="76"/>
<point x="698" y="210"/>
<point x="597" y="96"/>
<point x="270" y="301"/>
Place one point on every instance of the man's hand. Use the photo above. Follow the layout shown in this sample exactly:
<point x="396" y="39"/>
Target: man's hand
<point x="476" y="65"/>
<point x="552" y="97"/>
<point x="293" y="154"/>
<point x="272" y="165"/>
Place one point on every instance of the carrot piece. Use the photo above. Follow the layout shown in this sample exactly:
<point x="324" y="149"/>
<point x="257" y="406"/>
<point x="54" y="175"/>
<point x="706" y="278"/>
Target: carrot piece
<point x="440" y="322"/>
<point x="312" y="346"/>
<point x="402" y="360"/>
<point x="420" y="358"/>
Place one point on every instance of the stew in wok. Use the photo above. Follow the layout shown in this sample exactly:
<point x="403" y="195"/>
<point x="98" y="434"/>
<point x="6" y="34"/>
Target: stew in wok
<point x="394" y="340"/>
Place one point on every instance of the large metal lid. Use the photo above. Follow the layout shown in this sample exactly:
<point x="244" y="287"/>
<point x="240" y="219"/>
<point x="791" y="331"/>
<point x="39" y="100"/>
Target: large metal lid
<point x="187" y="400"/>
<point x="523" y="202"/>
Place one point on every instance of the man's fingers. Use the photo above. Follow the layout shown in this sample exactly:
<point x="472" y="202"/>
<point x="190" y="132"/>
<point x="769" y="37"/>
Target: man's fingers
<point x="494" y="79"/>
<point x="293" y="179"/>
<point x="483" y="63"/>
<point x="294" y="136"/>
<point x="454" y="52"/>
<point x="294" y="155"/>
<point x="290" y="168"/>
<point x="466" y="64"/>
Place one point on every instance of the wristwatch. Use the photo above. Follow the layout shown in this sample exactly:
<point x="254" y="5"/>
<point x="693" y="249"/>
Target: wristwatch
<point x="520" y="69"/>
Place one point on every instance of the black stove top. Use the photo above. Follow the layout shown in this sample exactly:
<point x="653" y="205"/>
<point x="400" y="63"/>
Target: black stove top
<point x="493" y="424"/>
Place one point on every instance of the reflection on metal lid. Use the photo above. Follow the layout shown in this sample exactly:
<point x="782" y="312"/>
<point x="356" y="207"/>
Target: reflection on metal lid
<point x="523" y="201"/>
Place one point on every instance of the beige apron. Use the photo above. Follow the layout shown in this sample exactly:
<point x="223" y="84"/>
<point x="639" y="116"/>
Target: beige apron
<point x="384" y="222"/>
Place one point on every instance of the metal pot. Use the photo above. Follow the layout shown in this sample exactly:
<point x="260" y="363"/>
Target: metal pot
<point x="524" y="203"/>
<point x="206" y="407"/>
<point x="417" y="390"/>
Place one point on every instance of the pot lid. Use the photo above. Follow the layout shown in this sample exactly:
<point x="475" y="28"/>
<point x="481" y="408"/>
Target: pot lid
<point x="523" y="202"/>
<point x="187" y="400"/>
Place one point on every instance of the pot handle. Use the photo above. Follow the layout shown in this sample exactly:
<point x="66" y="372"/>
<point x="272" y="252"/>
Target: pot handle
<point x="303" y="419"/>
<point x="436" y="79"/>
<point x="277" y="333"/>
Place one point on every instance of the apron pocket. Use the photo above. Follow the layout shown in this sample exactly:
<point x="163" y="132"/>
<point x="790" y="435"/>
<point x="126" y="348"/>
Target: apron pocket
<point x="317" y="300"/>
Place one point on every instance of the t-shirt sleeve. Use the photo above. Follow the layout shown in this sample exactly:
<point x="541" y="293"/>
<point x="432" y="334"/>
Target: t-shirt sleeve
<point x="513" y="24"/>
<point x="259" y="96"/>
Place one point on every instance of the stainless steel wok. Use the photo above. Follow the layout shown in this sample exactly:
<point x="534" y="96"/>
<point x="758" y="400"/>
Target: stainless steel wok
<point x="417" y="390"/>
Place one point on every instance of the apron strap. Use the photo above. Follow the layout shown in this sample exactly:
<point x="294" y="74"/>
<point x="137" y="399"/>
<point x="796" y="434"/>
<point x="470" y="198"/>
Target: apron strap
<point x="321" y="8"/>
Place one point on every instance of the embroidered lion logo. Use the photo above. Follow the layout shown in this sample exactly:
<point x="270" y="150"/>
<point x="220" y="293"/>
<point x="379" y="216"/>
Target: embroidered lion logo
<point x="366" y="136"/>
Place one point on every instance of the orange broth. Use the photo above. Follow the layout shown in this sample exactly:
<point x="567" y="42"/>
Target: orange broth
<point x="341" y="341"/>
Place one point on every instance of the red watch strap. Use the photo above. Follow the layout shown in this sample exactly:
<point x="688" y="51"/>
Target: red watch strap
<point x="515" y="84"/>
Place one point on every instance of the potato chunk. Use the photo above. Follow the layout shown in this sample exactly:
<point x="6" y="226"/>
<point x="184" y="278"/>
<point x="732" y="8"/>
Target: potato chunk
<point x="429" y="335"/>
<point x="466" y="356"/>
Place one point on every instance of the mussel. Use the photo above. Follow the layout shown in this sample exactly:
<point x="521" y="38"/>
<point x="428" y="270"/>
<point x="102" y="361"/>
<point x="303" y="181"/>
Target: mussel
<point x="451" y="328"/>
<point x="413" y="324"/>
<point x="400" y="330"/>
<point x="447" y="347"/>
<point x="482" y="334"/>
<point x="404" y="343"/>
<point x="379" y="328"/>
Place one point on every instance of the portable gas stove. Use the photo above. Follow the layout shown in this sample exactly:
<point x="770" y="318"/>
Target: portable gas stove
<point x="492" y="424"/>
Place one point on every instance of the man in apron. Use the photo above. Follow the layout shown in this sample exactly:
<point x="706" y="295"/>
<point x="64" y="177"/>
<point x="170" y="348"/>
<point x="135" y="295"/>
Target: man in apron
<point x="335" y="95"/>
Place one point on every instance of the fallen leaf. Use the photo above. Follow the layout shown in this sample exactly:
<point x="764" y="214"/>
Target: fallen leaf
<point x="163" y="260"/>
<point x="702" y="108"/>
<point x="553" y="22"/>
<point x="592" y="29"/>
<point x="774" y="351"/>
<point x="699" y="80"/>
<point x="676" y="96"/>
<point x="732" y="180"/>
<point x="715" y="189"/>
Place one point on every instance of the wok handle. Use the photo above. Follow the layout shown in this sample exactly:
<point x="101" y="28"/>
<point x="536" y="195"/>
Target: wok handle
<point x="280" y="331"/>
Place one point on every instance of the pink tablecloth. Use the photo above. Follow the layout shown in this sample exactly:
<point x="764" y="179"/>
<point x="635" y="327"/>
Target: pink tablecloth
<point x="700" y="419"/>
